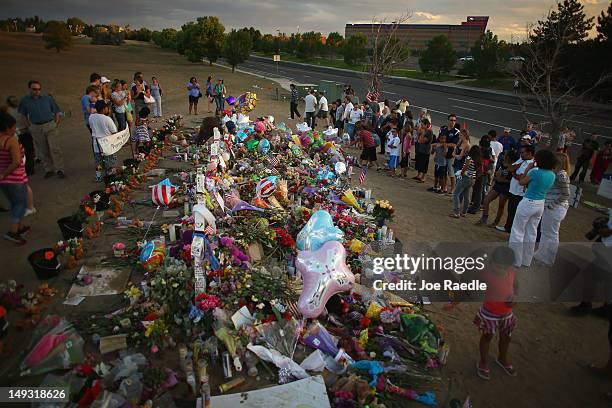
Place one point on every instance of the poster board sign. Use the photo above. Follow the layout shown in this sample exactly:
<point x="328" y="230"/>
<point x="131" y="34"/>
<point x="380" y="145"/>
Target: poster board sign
<point x="111" y="144"/>
<point x="276" y="58"/>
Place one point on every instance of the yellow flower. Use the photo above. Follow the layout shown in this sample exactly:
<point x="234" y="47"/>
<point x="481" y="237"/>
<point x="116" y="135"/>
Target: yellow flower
<point x="148" y="331"/>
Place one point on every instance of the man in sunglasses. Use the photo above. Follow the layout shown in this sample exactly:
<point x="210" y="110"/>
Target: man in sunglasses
<point x="453" y="134"/>
<point x="42" y="116"/>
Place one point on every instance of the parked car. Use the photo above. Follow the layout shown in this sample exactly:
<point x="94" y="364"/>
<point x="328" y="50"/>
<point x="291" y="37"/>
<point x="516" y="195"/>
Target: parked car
<point x="468" y="58"/>
<point x="517" y="58"/>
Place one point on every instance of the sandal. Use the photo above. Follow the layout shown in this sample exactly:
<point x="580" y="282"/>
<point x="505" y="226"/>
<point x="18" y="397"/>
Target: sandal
<point x="454" y="215"/>
<point x="483" y="373"/>
<point x="509" y="369"/>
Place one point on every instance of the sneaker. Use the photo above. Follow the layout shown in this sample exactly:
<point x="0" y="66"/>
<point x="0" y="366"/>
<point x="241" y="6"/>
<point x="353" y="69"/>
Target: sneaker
<point x="61" y="174"/>
<point x="500" y="228"/>
<point x="29" y="211"/>
<point x="16" y="238"/>
<point x="432" y="189"/>
<point x="49" y="174"/>
<point x="24" y="231"/>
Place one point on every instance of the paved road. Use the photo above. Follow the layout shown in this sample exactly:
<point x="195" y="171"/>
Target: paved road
<point x="480" y="110"/>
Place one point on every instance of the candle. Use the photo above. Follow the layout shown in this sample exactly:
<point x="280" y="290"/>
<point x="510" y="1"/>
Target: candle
<point x="172" y="232"/>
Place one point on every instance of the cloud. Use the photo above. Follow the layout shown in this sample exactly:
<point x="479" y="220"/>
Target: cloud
<point x="423" y="15"/>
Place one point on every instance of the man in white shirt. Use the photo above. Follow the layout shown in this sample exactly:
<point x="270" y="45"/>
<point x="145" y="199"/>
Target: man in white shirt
<point x="323" y="108"/>
<point x="496" y="148"/>
<point x="309" y="109"/>
<point x="516" y="190"/>
<point x="101" y="125"/>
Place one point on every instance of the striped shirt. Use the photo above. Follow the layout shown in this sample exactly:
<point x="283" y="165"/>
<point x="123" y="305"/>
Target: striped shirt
<point x="295" y="97"/>
<point x="18" y="176"/>
<point x="141" y="134"/>
<point x="471" y="170"/>
<point x="559" y="193"/>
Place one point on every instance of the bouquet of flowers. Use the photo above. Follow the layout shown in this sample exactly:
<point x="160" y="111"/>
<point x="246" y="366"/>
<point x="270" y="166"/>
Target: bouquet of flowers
<point x="383" y="211"/>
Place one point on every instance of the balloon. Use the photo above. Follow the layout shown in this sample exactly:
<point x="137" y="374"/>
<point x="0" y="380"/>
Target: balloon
<point x="340" y="168"/>
<point x="244" y="206"/>
<point x="152" y="255"/>
<point x="163" y="193"/>
<point x="247" y="102"/>
<point x="252" y="144"/>
<point x="259" y="127"/>
<point x="350" y="199"/>
<point x="325" y="273"/>
<point x="266" y="187"/>
<point x="203" y="217"/>
<point x="318" y="230"/>
<point x="264" y="146"/>
<point x="230" y="100"/>
<point x="305" y="140"/>
<point x="243" y="134"/>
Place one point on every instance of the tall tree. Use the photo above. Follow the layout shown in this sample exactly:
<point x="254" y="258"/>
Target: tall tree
<point x="334" y="42"/>
<point x="604" y="25"/>
<point x="439" y="56"/>
<point x="354" y="49"/>
<point x="237" y="47"/>
<point x="488" y="53"/>
<point x="204" y="38"/>
<point x="570" y="15"/>
<point x="310" y="45"/>
<point x="57" y="36"/>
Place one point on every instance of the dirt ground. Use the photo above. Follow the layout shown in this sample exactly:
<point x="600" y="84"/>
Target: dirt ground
<point x="549" y="349"/>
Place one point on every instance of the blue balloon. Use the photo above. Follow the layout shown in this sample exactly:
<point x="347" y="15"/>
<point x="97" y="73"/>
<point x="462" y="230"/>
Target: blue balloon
<point x="146" y="251"/>
<point x="318" y="230"/>
<point x="264" y="146"/>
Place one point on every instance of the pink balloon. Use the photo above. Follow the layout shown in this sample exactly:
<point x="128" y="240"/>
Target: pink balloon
<point x="325" y="273"/>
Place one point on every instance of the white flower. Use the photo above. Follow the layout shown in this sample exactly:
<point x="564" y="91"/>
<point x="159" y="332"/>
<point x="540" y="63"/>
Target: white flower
<point x="261" y="306"/>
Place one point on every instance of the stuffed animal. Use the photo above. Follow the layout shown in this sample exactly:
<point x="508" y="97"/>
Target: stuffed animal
<point x="239" y="256"/>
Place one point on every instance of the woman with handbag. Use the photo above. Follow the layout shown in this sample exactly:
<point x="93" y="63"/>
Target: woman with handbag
<point x="140" y="90"/>
<point x="193" y="91"/>
<point x="156" y="93"/>
<point x="220" y="92"/>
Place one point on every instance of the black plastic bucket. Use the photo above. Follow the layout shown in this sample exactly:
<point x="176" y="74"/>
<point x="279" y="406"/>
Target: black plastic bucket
<point x="70" y="228"/>
<point x="43" y="268"/>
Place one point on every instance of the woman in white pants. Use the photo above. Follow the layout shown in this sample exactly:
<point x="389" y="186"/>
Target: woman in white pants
<point x="156" y="93"/>
<point x="556" y="205"/>
<point x="529" y="211"/>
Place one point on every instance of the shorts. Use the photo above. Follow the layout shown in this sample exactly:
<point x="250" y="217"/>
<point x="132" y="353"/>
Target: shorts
<point x="450" y="172"/>
<point x="193" y="99"/>
<point x="340" y="124"/>
<point x="322" y="114"/>
<point x="440" y="171"/>
<point x="393" y="161"/>
<point x="490" y="323"/>
<point x="502" y="189"/>
<point x="369" y="154"/>
<point x="404" y="162"/>
<point x="17" y="195"/>
<point x="422" y="162"/>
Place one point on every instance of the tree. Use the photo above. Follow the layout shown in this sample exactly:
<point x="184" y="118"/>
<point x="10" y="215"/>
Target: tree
<point x="604" y="25"/>
<point x="545" y="76"/>
<point x="571" y="16"/>
<point x="166" y="38"/>
<point x="334" y="42"/>
<point x="387" y="51"/>
<point x="310" y="45"/>
<point x="488" y="53"/>
<point x="439" y="56"/>
<point x="354" y="49"/>
<point x="76" y="25"/>
<point x="237" y="47"/>
<point x="57" y="36"/>
<point x="203" y="38"/>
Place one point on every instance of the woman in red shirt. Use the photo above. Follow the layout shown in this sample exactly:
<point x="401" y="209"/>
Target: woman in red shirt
<point x="366" y="136"/>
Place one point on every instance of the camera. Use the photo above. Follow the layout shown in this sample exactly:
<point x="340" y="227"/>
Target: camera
<point x="598" y="223"/>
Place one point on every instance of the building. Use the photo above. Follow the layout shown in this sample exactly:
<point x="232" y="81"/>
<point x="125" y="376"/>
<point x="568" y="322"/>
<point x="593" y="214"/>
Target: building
<point x="417" y="36"/>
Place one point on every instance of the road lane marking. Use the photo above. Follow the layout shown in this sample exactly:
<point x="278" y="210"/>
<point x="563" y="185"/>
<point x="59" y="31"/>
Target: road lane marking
<point x="529" y="113"/>
<point x="465" y="117"/>
<point x="463" y="107"/>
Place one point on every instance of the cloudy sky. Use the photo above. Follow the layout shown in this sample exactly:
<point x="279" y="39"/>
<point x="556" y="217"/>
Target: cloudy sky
<point x="507" y="17"/>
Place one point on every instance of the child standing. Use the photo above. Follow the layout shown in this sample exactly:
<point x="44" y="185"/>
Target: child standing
<point x="439" y="150"/>
<point x="393" y="146"/>
<point x="406" y="146"/>
<point x="495" y="314"/>
<point x="141" y="135"/>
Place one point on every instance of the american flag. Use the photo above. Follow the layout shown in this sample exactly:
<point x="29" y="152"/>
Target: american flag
<point x="363" y="174"/>
<point x="373" y="96"/>
<point x="209" y="230"/>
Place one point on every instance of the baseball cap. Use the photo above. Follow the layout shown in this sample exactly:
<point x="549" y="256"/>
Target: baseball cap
<point x="526" y="137"/>
<point x="507" y="130"/>
<point x="104" y="80"/>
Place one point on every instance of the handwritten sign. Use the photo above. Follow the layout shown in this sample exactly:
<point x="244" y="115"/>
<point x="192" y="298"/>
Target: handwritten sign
<point x="111" y="144"/>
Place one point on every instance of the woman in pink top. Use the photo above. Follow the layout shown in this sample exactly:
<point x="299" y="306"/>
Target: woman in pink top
<point x="13" y="178"/>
